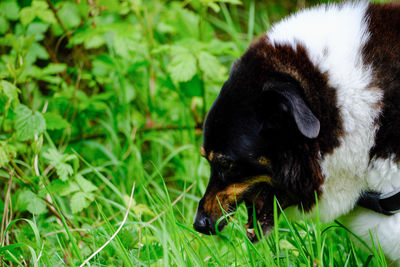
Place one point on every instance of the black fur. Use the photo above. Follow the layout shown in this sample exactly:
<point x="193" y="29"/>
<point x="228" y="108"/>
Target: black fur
<point x="383" y="52"/>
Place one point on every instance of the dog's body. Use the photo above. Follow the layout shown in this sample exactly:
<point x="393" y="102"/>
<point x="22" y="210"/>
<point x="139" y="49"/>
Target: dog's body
<point x="330" y="77"/>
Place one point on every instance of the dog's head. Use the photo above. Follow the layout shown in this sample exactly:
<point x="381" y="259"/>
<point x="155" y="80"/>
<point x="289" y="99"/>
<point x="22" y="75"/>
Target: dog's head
<point x="261" y="141"/>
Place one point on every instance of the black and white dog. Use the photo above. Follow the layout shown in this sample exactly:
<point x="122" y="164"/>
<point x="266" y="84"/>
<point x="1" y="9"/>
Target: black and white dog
<point x="312" y="108"/>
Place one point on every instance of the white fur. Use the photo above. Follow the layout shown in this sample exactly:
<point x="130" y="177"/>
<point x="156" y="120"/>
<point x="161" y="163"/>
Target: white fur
<point x="333" y="36"/>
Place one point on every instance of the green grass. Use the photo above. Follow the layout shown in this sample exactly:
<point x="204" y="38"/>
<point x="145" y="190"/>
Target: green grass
<point x="95" y="100"/>
<point x="170" y="238"/>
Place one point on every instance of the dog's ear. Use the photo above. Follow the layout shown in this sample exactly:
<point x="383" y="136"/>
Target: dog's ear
<point x="294" y="104"/>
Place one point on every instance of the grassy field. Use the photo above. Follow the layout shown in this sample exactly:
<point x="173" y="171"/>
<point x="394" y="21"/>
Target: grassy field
<point x="101" y="107"/>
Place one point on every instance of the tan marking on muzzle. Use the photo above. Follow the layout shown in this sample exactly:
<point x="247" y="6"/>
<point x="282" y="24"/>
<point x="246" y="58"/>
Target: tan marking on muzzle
<point x="227" y="197"/>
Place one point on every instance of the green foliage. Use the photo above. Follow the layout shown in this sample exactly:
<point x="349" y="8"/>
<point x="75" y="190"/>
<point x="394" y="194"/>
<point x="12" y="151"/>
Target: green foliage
<point x="39" y="9"/>
<point x="6" y="151"/>
<point x="98" y="95"/>
<point x="59" y="161"/>
<point x="28" y="124"/>
<point x="27" y="200"/>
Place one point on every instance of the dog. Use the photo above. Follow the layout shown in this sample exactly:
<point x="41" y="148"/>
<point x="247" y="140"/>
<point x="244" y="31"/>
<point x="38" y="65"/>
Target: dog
<point x="312" y="110"/>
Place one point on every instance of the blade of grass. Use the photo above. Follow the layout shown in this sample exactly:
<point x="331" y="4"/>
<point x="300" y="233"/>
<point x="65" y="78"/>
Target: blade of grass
<point x="125" y="253"/>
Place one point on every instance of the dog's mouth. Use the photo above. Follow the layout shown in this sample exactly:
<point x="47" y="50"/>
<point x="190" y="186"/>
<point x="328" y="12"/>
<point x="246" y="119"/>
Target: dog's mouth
<point x="259" y="201"/>
<point x="260" y="214"/>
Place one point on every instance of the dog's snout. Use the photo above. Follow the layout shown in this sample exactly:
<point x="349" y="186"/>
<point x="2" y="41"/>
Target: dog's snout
<point x="204" y="224"/>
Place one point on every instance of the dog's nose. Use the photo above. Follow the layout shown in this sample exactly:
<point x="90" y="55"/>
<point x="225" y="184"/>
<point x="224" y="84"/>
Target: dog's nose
<point x="204" y="224"/>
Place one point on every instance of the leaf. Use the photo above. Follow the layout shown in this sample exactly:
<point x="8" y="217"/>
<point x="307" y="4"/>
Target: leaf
<point x="38" y="51"/>
<point x="54" y="121"/>
<point x="86" y="185"/>
<point x="138" y="209"/>
<point x="38" y="9"/>
<point x="38" y="29"/>
<point x="59" y="161"/>
<point x="64" y="188"/>
<point x="233" y="2"/>
<point x="94" y="41"/>
<point x="142" y="209"/>
<point x="27" y="14"/>
<point x="193" y="87"/>
<point x="37" y="206"/>
<point x="110" y="5"/>
<point x="52" y="79"/>
<point x="47" y="16"/>
<point x="218" y="47"/>
<point x="53" y="68"/>
<point x="69" y="15"/>
<point x="28" y="124"/>
<point x="39" y="5"/>
<point x="12" y="10"/>
<point x="214" y="7"/>
<point x="4" y="25"/>
<point x="5" y="151"/>
<point x="209" y="64"/>
<point x="78" y="202"/>
<point x="182" y="67"/>
<point x="188" y="23"/>
<point x="27" y="200"/>
<point x="43" y="12"/>
<point x="10" y="91"/>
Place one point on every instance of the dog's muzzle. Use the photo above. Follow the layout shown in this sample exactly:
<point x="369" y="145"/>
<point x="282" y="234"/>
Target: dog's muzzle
<point x="205" y="223"/>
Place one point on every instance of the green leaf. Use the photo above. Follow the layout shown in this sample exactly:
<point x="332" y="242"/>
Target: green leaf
<point x="182" y="67"/>
<point x="70" y="188"/>
<point x="138" y="209"/>
<point x="37" y="206"/>
<point x="4" y="25"/>
<point x="193" y="87"/>
<point x="54" y="121"/>
<point x="69" y="14"/>
<point x="188" y="23"/>
<point x="27" y="200"/>
<point x="38" y="9"/>
<point x="53" y="68"/>
<point x="38" y="29"/>
<point x="94" y="41"/>
<point x="10" y="91"/>
<point x="59" y="161"/>
<point x="38" y="51"/>
<point x="39" y="5"/>
<point x="86" y="185"/>
<point x="142" y="209"/>
<point x="47" y="16"/>
<point x="27" y="15"/>
<point x="111" y="5"/>
<point x="79" y="202"/>
<point x="11" y="8"/>
<point x="42" y="10"/>
<point x="64" y="188"/>
<point x="28" y="124"/>
<point x="52" y="79"/>
<point x="209" y="64"/>
<point x="5" y="151"/>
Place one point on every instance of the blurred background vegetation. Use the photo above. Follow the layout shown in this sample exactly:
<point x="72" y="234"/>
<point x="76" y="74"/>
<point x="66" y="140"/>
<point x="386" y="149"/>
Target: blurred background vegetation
<point x="99" y="95"/>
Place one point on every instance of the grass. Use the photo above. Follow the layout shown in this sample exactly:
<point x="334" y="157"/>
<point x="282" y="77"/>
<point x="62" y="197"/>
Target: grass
<point x="158" y="229"/>
<point x="132" y="123"/>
